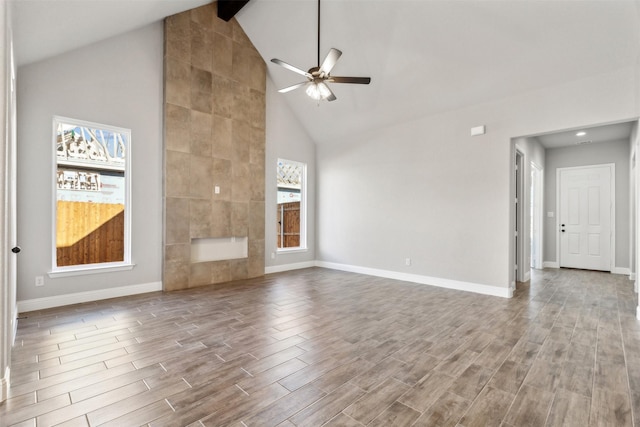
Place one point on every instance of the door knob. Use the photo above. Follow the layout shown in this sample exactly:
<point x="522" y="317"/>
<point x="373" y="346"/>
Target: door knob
<point x="16" y="250"/>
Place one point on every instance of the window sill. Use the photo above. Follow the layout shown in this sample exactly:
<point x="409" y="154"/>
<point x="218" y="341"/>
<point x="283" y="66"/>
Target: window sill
<point x="291" y="250"/>
<point x="94" y="269"/>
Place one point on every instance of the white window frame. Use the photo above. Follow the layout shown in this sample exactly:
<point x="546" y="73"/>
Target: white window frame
<point x="82" y="269"/>
<point x="303" y="209"/>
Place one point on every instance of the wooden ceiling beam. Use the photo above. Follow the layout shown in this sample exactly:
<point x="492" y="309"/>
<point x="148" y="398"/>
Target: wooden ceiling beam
<point x="227" y="9"/>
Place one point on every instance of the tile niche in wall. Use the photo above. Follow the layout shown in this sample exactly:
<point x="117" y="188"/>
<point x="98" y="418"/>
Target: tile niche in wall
<point x="214" y="118"/>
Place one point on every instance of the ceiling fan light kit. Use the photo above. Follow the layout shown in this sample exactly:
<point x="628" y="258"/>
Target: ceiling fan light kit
<point x="317" y="77"/>
<point x="318" y="91"/>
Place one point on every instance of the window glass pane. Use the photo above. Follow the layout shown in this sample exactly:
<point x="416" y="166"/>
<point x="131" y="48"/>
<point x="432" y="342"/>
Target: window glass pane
<point x="91" y="193"/>
<point x="290" y="205"/>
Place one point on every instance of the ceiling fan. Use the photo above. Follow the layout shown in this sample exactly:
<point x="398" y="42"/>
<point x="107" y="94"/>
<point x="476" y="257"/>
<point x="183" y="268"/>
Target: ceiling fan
<point x="318" y="77"/>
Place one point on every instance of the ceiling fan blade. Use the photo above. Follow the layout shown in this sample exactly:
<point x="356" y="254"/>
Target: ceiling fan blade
<point x="292" y="87"/>
<point x="356" y="80"/>
<point x="330" y="60"/>
<point x="332" y="96"/>
<point x="291" y="67"/>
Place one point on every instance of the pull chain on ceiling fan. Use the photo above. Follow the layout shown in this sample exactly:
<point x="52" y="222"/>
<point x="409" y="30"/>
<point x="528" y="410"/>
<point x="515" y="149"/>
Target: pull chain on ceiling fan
<point x="318" y="77"/>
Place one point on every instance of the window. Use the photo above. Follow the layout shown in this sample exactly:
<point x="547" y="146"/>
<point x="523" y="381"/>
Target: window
<point x="291" y="205"/>
<point x="91" y="212"/>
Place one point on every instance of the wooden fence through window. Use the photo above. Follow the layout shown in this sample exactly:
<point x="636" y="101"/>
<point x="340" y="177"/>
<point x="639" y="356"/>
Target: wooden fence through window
<point x="89" y="233"/>
<point x="288" y="225"/>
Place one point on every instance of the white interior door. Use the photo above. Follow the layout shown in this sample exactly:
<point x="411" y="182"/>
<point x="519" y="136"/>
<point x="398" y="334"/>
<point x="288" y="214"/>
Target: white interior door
<point x="585" y="217"/>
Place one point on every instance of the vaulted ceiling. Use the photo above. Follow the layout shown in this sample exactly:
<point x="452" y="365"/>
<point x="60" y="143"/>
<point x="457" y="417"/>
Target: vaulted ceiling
<point x="424" y="57"/>
<point x="427" y="57"/>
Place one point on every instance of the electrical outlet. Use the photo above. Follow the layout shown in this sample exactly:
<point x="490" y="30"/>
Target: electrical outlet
<point x="39" y="280"/>
<point x="407" y="261"/>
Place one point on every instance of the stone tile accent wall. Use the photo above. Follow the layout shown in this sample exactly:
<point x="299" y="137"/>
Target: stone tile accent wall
<point x="214" y="115"/>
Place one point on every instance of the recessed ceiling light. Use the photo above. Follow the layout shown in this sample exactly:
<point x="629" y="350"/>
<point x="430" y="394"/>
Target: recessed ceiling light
<point x="581" y="133"/>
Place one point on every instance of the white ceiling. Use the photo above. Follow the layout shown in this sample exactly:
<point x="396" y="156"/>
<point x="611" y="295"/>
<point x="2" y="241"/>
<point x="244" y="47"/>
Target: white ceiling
<point x="424" y="56"/>
<point x="593" y="135"/>
<point x="46" y="28"/>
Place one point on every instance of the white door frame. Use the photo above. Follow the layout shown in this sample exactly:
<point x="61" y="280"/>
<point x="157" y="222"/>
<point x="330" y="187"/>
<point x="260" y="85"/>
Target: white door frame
<point x="633" y="217"/>
<point x="538" y="215"/>
<point x="8" y="307"/>
<point x="520" y="260"/>
<point x="636" y="217"/>
<point x="612" y="166"/>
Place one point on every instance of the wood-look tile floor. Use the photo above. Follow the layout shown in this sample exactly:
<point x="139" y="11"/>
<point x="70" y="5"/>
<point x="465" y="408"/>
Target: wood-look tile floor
<point x="321" y="347"/>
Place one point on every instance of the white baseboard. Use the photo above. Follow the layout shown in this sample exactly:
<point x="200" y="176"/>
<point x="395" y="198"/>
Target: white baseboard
<point x="4" y="385"/>
<point x="68" y="299"/>
<point x="638" y="312"/>
<point x="527" y="276"/>
<point x="288" y="267"/>
<point x="505" y="292"/>
<point x="621" y="270"/>
<point x="632" y="276"/>
<point x="616" y="270"/>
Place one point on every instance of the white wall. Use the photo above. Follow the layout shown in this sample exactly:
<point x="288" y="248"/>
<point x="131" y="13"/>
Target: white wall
<point x="607" y="152"/>
<point x="428" y="191"/>
<point x="116" y="82"/>
<point x="286" y="139"/>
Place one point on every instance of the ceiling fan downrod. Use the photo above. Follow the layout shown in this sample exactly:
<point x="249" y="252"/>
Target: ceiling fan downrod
<point x="318" y="33"/>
